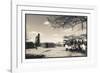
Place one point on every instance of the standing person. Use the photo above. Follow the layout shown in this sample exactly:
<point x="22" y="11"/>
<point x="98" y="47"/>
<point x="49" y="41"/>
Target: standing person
<point x="37" y="41"/>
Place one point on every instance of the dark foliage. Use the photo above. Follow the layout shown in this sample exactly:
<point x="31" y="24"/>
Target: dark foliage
<point x="29" y="45"/>
<point x="66" y="21"/>
<point x="29" y="56"/>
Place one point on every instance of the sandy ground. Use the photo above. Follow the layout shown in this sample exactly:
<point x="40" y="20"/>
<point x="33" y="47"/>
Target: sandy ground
<point x="53" y="52"/>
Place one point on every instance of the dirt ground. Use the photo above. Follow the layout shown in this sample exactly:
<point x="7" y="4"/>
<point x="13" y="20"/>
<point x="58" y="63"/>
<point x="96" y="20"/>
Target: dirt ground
<point x="53" y="52"/>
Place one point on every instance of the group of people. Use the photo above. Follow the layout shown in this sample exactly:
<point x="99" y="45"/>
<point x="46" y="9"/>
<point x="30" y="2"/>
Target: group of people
<point x="78" y="45"/>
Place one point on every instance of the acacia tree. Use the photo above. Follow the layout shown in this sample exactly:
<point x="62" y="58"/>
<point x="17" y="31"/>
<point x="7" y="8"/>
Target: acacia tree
<point x="67" y="21"/>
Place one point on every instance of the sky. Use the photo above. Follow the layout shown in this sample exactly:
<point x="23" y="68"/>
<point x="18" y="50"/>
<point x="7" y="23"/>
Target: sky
<point x="38" y="24"/>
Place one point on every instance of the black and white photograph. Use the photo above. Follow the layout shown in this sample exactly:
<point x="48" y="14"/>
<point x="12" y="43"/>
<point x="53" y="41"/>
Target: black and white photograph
<point x="55" y="36"/>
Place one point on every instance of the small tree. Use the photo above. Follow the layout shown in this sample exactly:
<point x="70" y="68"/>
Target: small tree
<point x="37" y="41"/>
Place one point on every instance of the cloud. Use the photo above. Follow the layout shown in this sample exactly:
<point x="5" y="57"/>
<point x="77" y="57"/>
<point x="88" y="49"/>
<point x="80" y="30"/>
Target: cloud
<point x="46" y="23"/>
